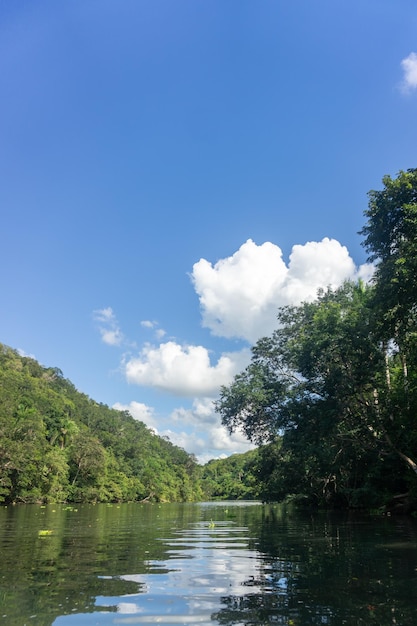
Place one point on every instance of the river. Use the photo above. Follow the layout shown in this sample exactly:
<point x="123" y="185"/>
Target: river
<point x="225" y="563"/>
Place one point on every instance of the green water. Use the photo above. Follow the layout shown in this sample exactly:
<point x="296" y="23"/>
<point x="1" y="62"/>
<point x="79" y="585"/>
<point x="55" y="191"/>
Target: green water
<point x="213" y="563"/>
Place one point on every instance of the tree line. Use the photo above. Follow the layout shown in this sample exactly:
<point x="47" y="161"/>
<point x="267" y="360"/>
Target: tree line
<point x="57" y="444"/>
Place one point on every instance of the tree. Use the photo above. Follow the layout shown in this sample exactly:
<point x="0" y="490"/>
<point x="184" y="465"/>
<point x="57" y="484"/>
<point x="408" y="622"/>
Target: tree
<point x="320" y="381"/>
<point x="232" y="478"/>
<point x="391" y="241"/>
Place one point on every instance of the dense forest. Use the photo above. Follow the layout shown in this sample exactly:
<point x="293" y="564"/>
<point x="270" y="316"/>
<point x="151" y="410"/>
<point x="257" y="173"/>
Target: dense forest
<point x="329" y="399"/>
<point x="56" y="444"/>
<point x="331" y="396"/>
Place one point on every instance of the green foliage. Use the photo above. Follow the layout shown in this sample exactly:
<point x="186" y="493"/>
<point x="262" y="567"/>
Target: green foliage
<point x="337" y="381"/>
<point x="332" y="405"/>
<point x="56" y="444"/>
<point x="233" y="478"/>
<point x="391" y="240"/>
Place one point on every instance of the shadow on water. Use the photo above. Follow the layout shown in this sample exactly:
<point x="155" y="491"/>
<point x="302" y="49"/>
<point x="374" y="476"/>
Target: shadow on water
<point x="212" y="563"/>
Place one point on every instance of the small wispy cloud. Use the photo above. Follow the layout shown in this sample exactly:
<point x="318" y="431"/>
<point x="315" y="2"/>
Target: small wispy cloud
<point x="148" y="324"/>
<point x="409" y="67"/>
<point x="153" y="325"/>
<point x="108" y="326"/>
<point x="25" y="354"/>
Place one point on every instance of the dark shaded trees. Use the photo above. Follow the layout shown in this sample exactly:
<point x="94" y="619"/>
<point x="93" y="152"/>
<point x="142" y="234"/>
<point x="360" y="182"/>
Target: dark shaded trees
<point x="390" y="238"/>
<point x="232" y="478"/>
<point x="333" y="390"/>
<point x="391" y="242"/>
<point x="316" y="383"/>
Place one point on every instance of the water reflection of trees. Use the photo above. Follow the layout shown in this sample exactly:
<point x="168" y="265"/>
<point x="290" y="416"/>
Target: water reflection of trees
<point x="314" y="568"/>
<point x="328" y="569"/>
<point x="88" y="552"/>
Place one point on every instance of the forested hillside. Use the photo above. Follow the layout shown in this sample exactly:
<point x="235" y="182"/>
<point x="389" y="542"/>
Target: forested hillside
<point x="233" y="478"/>
<point x="57" y="444"/>
<point x="333" y="391"/>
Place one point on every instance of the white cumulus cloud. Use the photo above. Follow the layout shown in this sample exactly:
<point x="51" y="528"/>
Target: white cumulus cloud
<point x="201" y="414"/>
<point x="240" y="295"/>
<point x="108" y="326"/>
<point x="207" y="438"/>
<point x="409" y="67"/>
<point x="183" y="370"/>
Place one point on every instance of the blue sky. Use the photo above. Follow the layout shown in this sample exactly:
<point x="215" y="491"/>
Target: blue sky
<point x="172" y="172"/>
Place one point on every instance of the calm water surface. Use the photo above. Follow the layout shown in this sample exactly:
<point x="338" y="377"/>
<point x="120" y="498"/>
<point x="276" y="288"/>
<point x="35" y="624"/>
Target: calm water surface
<point x="212" y="563"/>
